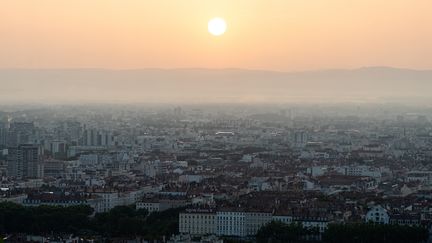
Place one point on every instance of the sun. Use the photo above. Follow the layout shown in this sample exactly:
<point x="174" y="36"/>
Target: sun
<point x="217" y="26"/>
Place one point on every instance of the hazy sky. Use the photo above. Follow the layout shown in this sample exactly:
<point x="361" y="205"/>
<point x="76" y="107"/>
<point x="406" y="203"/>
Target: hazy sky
<point x="265" y="34"/>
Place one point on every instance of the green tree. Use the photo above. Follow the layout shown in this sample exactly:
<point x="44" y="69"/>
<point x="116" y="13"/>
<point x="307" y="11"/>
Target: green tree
<point x="276" y="232"/>
<point x="15" y="218"/>
<point x="374" y="233"/>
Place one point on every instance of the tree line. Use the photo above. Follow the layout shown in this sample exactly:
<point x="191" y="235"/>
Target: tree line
<point x="276" y="232"/>
<point x="375" y="233"/>
<point x="126" y="221"/>
<point x="121" y="221"/>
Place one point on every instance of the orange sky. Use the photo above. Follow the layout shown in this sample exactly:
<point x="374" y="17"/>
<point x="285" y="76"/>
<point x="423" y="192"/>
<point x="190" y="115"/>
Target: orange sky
<point x="271" y="34"/>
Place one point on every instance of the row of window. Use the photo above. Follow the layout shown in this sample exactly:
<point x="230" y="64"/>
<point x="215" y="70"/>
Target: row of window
<point x="197" y="217"/>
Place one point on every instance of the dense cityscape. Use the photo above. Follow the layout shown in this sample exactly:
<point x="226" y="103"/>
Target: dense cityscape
<point x="214" y="173"/>
<point x="216" y="121"/>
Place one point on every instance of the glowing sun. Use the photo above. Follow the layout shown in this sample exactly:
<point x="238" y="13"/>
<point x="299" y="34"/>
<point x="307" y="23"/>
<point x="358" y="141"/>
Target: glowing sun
<point x="217" y="26"/>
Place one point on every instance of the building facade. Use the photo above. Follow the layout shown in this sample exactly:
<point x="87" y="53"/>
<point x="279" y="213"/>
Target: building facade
<point x="24" y="161"/>
<point x="198" y="222"/>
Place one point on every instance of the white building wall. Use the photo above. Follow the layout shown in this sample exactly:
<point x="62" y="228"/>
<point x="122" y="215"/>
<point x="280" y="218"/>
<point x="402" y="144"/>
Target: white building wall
<point x="109" y="200"/>
<point x="283" y="219"/>
<point x="231" y="223"/>
<point x="197" y="223"/>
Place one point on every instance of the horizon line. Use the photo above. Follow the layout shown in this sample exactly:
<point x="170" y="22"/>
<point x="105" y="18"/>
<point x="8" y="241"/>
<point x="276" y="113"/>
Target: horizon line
<point x="211" y="69"/>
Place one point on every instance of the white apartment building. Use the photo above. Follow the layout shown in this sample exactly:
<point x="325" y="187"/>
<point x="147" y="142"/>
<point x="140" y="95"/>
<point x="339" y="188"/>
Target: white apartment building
<point x="240" y="223"/>
<point x="197" y="222"/>
<point x="231" y="223"/>
<point x="109" y="201"/>
<point x="362" y="170"/>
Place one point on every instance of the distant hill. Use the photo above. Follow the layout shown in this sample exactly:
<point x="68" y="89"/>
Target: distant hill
<point x="221" y="85"/>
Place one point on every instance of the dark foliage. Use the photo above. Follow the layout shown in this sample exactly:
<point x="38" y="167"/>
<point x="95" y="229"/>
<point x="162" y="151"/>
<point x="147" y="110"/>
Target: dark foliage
<point x="374" y="233"/>
<point x="276" y="232"/>
<point x="15" y="218"/>
<point x="121" y="221"/>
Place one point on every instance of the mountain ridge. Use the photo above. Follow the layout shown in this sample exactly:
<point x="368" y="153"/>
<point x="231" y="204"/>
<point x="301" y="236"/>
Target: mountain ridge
<point x="213" y="85"/>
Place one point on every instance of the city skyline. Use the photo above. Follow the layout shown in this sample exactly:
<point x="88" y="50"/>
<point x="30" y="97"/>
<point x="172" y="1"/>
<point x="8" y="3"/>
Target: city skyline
<point x="198" y="121"/>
